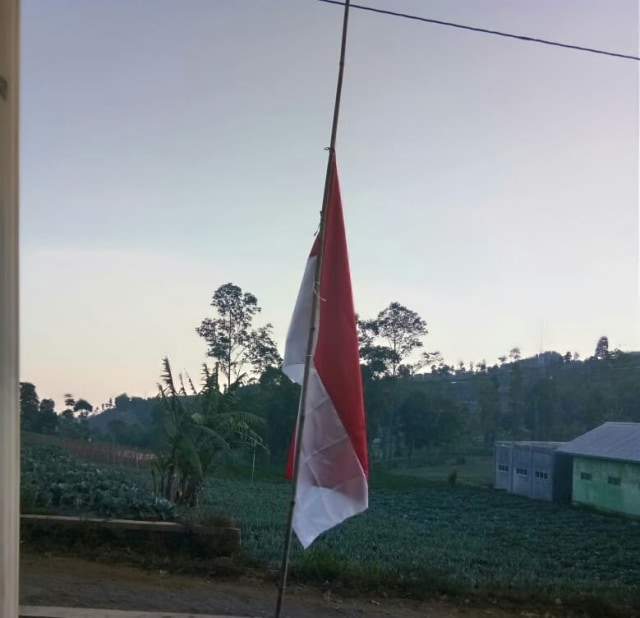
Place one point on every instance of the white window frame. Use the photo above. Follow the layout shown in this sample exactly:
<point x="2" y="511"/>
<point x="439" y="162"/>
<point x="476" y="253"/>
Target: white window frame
<point x="9" y="326"/>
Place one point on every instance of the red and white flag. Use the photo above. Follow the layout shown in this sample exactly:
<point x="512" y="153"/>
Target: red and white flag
<point x="333" y="468"/>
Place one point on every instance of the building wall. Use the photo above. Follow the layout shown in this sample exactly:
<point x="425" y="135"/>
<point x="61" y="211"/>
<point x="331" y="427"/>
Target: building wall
<point x="562" y="477"/>
<point x="608" y="485"/>
<point x="522" y="470"/>
<point x="535" y="471"/>
<point x="502" y="466"/>
<point x="541" y="475"/>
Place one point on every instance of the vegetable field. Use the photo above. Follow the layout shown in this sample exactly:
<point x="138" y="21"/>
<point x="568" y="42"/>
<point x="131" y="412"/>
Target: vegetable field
<point x="102" y="453"/>
<point x="55" y="482"/>
<point x="452" y="540"/>
<point x="415" y="539"/>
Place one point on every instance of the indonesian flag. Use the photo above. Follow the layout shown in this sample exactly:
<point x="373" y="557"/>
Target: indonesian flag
<point x="333" y="468"/>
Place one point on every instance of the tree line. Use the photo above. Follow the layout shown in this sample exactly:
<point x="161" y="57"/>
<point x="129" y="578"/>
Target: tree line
<point x="415" y="402"/>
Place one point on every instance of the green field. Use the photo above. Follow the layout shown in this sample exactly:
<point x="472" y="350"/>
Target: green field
<point x="474" y="471"/>
<point x="414" y="538"/>
<point x="459" y="539"/>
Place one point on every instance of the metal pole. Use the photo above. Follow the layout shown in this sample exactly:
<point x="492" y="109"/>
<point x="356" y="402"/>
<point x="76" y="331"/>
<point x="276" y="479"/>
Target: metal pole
<point x="314" y="312"/>
<point x="253" y="464"/>
<point x="9" y="376"/>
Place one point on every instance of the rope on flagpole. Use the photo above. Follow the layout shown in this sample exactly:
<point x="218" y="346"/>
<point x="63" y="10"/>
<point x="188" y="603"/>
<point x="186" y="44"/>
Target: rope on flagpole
<point x="314" y="314"/>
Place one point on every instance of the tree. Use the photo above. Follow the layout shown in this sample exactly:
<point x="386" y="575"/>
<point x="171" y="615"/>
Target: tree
<point x="378" y="401"/>
<point x="434" y="360"/>
<point x="29" y="407"/>
<point x="67" y="425"/>
<point x="602" y="348"/>
<point x="401" y="329"/>
<point x="121" y="402"/>
<point x="366" y="333"/>
<point x="69" y="401"/>
<point x="230" y="338"/>
<point x="118" y="430"/>
<point x="197" y="425"/>
<point x="489" y="401"/>
<point x="541" y="409"/>
<point x="82" y="405"/>
<point x="428" y="418"/>
<point x="399" y="341"/>
<point x="417" y="420"/>
<point x="379" y="359"/>
<point x="82" y="408"/>
<point x="516" y="400"/>
<point x="278" y="404"/>
<point x="514" y="354"/>
<point x="48" y="420"/>
<point x="262" y="353"/>
<point x="445" y="370"/>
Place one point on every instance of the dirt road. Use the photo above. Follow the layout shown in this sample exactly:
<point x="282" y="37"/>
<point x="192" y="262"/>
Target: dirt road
<point x="72" y="582"/>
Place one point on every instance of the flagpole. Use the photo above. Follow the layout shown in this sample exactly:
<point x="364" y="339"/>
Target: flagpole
<point x="9" y="377"/>
<point x="314" y="312"/>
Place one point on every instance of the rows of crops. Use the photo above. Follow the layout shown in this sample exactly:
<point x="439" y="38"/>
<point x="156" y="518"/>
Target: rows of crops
<point x="454" y="539"/>
<point x="56" y="482"/>
<point x="448" y="539"/>
<point x="103" y="453"/>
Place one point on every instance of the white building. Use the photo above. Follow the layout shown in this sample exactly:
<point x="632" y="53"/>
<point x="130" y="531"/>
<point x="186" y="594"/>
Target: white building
<point x="532" y="469"/>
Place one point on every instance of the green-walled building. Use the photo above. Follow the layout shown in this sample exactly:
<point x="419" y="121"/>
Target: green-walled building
<point x="606" y="468"/>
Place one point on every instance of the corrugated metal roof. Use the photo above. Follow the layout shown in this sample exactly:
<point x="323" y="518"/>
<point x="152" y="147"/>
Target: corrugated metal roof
<point x="531" y="443"/>
<point x="541" y="444"/>
<point x="620" y="441"/>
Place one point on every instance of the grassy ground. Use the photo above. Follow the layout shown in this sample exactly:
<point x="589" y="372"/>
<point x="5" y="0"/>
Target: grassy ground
<point x="474" y="471"/>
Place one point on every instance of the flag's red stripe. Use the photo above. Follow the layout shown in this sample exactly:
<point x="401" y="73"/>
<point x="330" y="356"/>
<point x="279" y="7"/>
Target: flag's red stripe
<point x="314" y="249"/>
<point x="337" y="358"/>
<point x="291" y="456"/>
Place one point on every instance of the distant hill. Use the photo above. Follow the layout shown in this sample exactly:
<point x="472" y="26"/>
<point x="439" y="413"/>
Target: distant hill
<point x="547" y="396"/>
<point x="129" y="421"/>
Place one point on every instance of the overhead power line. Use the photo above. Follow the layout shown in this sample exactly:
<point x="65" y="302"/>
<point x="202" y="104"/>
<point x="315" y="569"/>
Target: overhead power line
<point x="507" y="35"/>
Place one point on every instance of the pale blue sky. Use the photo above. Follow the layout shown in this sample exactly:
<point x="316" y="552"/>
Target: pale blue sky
<point x="171" y="146"/>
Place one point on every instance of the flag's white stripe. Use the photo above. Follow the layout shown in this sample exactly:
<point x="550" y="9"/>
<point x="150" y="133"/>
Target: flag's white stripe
<point x="298" y="335"/>
<point x="326" y="445"/>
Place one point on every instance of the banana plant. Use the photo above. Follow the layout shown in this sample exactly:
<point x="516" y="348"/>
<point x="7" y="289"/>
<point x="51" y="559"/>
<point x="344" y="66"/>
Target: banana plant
<point x="198" y="425"/>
